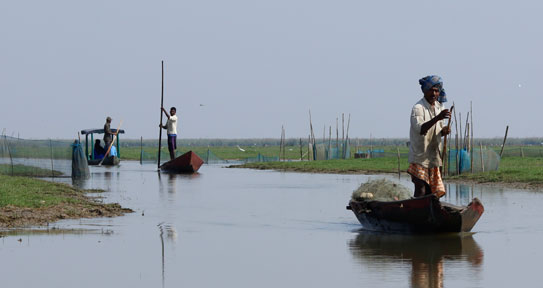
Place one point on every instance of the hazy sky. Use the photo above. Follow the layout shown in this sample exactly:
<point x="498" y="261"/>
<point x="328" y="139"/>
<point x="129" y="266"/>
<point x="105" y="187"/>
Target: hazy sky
<point x="258" y="65"/>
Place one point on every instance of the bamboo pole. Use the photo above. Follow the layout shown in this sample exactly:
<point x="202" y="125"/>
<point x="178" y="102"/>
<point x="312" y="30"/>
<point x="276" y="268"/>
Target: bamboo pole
<point x="504" y="138"/>
<point x="51" y="146"/>
<point x="281" y="145"/>
<point x="456" y="143"/>
<point x="399" y="171"/>
<point x="312" y="136"/>
<point x="324" y="135"/>
<point x="466" y="132"/>
<point x="371" y="147"/>
<point x="342" y="128"/>
<point x="161" y="107"/>
<point x="466" y="137"/>
<point x="444" y="153"/>
<point x="329" y="143"/>
<point x="346" y="137"/>
<point x="301" y="152"/>
<point x="461" y="139"/>
<point x="481" y="153"/>
<point x="309" y="148"/>
<point x="141" y="149"/>
<point x="337" y="136"/>
<point x="471" y="130"/>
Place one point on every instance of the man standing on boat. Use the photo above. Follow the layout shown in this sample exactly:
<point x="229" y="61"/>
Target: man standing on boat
<point x="171" y="127"/>
<point x="107" y="134"/>
<point x="425" y="134"/>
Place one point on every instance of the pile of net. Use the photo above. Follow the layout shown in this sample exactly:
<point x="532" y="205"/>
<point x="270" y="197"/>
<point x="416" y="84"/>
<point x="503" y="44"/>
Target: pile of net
<point x="381" y="190"/>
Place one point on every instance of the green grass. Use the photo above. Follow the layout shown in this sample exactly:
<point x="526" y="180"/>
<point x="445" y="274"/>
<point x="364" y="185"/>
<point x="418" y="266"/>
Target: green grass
<point x="34" y="193"/>
<point x="234" y="153"/>
<point x="373" y="165"/>
<point x="511" y="170"/>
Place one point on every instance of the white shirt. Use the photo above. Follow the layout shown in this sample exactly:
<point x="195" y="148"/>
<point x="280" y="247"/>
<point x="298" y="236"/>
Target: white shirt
<point x="172" y="125"/>
<point x="425" y="150"/>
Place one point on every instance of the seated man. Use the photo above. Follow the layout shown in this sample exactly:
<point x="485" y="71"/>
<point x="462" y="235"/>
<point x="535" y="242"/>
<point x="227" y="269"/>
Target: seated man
<point x="113" y="151"/>
<point x="99" y="151"/>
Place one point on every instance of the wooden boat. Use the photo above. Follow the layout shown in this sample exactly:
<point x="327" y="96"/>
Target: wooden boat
<point x="416" y="215"/>
<point x="111" y="160"/>
<point x="91" y="159"/>
<point x="186" y="163"/>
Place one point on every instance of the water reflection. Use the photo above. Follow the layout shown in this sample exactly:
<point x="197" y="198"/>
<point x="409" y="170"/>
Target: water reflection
<point x="425" y="253"/>
<point x="35" y="231"/>
<point x="167" y="181"/>
<point x="171" y="234"/>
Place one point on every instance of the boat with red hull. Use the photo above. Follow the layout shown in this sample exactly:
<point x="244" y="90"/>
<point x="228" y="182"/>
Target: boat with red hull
<point x="416" y="215"/>
<point x="186" y="164"/>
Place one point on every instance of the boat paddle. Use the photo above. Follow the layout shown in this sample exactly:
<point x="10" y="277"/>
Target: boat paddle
<point x="112" y="141"/>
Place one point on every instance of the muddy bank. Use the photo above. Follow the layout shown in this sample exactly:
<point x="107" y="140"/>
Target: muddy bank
<point x="28" y="202"/>
<point x="11" y="216"/>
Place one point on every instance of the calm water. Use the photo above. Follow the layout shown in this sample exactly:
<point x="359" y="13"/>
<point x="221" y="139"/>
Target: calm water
<point x="245" y="228"/>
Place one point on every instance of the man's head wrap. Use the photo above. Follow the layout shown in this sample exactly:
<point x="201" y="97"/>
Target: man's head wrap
<point x="430" y="81"/>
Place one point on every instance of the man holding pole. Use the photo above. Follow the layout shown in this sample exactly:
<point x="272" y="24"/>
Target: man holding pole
<point x="425" y="134"/>
<point x="171" y="127"/>
<point x="107" y="135"/>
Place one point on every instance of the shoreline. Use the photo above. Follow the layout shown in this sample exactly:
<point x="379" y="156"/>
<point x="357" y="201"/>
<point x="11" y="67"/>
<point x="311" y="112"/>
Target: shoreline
<point x="27" y="202"/>
<point x="512" y="185"/>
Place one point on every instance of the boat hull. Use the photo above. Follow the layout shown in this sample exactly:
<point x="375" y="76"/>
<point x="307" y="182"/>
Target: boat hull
<point x="109" y="161"/>
<point x="185" y="164"/>
<point x="416" y="215"/>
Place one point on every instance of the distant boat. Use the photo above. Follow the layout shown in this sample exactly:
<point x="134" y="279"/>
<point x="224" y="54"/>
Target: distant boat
<point x="185" y="164"/>
<point x="416" y="215"/>
<point x="93" y="159"/>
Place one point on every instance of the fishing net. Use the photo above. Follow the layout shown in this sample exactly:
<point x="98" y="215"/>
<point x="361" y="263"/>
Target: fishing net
<point x="210" y="158"/>
<point x="261" y="158"/>
<point x="330" y="150"/>
<point x="37" y="158"/>
<point x="460" y="161"/>
<point x="381" y="190"/>
<point x="522" y="151"/>
<point x="80" y="167"/>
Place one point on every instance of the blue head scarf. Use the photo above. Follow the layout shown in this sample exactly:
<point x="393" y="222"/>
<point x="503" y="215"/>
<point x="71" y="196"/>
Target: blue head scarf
<point x="430" y="81"/>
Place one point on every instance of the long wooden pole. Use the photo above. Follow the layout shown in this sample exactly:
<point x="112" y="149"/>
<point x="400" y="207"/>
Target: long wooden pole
<point x="399" y="171"/>
<point x="347" y="137"/>
<point x="481" y="154"/>
<point x="444" y="153"/>
<point x="457" y="168"/>
<point x="504" y="138"/>
<point x="161" y="107"/>
<point x="337" y="136"/>
<point x="461" y="140"/>
<point x="301" y="152"/>
<point x="471" y="136"/>
<point x="329" y="143"/>
<point x="112" y="142"/>
<point x="466" y="133"/>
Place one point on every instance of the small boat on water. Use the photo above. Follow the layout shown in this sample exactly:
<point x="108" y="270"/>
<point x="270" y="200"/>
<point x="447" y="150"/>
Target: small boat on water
<point x="416" y="215"/>
<point x="185" y="164"/>
<point x="92" y="158"/>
